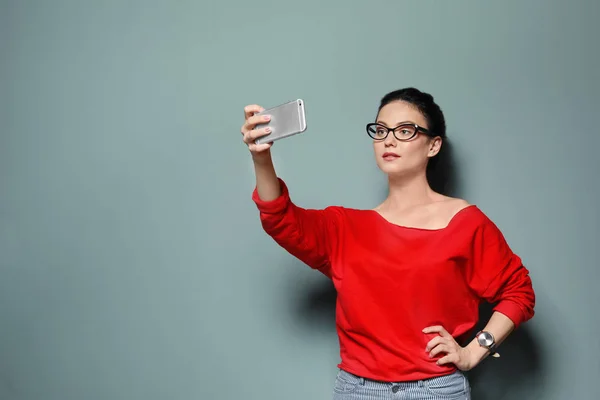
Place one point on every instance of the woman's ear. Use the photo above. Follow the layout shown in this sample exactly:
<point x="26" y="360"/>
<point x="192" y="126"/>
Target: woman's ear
<point x="435" y="145"/>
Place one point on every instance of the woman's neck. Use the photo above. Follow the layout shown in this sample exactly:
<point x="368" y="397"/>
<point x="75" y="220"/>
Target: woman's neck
<point x="408" y="191"/>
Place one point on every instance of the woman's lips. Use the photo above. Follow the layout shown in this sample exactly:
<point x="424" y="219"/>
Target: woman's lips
<point x="390" y="156"/>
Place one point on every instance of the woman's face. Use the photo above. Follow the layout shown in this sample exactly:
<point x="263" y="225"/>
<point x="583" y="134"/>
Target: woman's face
<point x="395" y="157"/>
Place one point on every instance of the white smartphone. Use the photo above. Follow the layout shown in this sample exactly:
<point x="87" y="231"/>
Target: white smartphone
<point x="286" y="120"/>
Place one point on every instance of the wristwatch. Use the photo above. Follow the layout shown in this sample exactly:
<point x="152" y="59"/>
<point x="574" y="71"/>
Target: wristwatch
<point x="486" y="339"/>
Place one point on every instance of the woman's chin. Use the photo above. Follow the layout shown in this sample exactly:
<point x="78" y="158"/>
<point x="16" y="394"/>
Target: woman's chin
<point x="392" y="169"/>
<point x="395" y="171"/>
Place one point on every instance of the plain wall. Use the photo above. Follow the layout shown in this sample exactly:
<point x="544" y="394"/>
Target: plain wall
<point x="133" y="265"/>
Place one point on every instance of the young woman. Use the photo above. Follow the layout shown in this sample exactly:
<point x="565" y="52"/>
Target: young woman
<point x="410" y="273"/>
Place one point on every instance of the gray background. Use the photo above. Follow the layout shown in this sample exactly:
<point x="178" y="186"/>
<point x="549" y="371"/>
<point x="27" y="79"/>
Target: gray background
<point x="133" y="265"/>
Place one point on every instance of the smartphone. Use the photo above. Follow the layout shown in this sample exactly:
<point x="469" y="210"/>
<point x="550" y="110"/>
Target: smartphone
<point x="286" y="120"/>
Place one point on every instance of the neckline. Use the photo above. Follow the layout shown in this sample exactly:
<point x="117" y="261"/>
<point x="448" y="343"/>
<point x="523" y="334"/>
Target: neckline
<point x="416" y="228"/>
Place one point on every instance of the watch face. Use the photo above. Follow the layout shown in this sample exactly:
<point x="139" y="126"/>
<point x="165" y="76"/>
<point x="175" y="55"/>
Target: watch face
<point x="485" y="339"/>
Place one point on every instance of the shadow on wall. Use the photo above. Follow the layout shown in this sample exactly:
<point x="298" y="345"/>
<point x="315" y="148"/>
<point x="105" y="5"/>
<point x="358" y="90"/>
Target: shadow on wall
<point x="517" y="372"/>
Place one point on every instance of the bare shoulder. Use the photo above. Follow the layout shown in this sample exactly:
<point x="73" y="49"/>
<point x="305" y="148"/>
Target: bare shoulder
<point x="459" y="204"/>
<point x="452" y="203"/>
<point x="450" y="206"/>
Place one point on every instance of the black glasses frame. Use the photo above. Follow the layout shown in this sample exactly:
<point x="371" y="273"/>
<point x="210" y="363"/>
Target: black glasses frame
<point x="416" y="127"/>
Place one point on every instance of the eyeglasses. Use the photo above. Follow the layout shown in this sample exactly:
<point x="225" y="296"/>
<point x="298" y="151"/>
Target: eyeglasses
<point x="402" y="132"/>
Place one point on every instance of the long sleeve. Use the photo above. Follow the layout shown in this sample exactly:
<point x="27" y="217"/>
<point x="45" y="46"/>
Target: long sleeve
<point x="498" y="275"/>
<point x="309" y="235"/>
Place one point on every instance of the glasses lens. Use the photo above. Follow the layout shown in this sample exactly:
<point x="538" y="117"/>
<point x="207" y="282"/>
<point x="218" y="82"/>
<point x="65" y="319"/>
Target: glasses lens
<point x="376" y="131"/>
<point x="405" y="132"/>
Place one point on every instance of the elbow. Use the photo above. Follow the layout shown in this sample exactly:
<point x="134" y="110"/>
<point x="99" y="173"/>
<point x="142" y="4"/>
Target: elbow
<point x="517" y="301"/>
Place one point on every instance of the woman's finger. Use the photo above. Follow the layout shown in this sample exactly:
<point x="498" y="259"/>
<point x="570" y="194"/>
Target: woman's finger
<point x="252" y="109"/>
<point x="440" y="348"/>
<point x="437" y="329"/>
<point x="251" y="123"/>
<point x="251" y="136"/>
<point x="434" y="342"/>
<point x="258" y="119"/>
<point x="448" y="359"/>
<point x="257" y="148"/>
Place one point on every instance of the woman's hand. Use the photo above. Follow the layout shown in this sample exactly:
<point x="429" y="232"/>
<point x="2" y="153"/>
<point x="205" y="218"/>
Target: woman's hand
<point x="267" y="183"/>
<point x="251" y="133"/>
<point x="454" y="353"/>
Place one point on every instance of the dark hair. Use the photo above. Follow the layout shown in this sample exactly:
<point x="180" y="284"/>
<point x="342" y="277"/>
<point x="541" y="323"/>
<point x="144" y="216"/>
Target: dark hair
<point x="438" y="167"/>
<point x="436" y="123"/>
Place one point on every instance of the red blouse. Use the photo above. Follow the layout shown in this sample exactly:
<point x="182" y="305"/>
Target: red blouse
<point x="393" y="281"/>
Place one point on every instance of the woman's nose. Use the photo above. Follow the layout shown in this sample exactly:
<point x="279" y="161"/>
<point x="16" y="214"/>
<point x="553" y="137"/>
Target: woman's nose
<point x="390" y="140"/>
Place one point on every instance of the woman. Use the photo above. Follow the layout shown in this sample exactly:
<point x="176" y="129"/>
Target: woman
<point x="410" y="273"/>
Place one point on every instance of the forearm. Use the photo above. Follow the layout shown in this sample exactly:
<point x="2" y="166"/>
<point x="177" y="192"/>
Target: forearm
<point x="267" y="184"/>
<point x="500" y="326"/>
